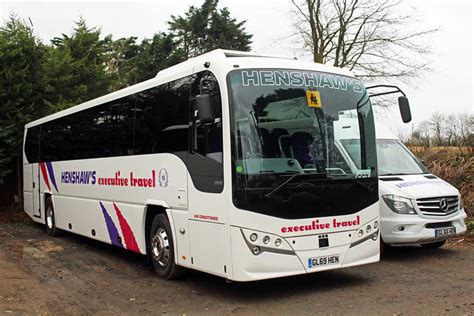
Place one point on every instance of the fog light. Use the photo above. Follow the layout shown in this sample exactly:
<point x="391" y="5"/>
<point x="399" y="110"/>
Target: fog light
<point x="375" y="236"/>
<point x="368" y="229"/>
<point x="401" y="228"/>
<point x="360" y="233"/>
<point x="253" y="237"/>
<point x="266" y="240"/>
<point x="278" y="242"/>
<point x="376" y="224"/>
<point x="256" y="250"/>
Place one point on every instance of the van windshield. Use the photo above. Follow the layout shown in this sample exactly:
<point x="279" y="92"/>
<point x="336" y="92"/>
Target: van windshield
<point x="393" y="157"/>
<point x="286" y="162"/>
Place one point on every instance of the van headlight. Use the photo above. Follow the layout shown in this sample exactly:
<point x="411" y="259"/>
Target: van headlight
<point x="399" y="204"/>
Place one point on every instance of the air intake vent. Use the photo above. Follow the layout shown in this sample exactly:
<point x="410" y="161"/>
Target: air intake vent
<point x="391" y="179"/>
<point x="431" y="177"/>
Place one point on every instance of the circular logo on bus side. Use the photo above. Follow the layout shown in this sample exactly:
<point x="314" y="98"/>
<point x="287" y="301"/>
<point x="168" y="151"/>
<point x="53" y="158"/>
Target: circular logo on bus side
<point x="163" y="178"/>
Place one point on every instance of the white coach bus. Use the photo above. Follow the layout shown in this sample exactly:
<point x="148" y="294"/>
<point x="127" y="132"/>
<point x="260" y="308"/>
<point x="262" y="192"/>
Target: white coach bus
<point x="225" y="163"/>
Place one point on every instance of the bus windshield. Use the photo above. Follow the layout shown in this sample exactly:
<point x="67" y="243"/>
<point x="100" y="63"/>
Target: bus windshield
<point x="286" y="162"/>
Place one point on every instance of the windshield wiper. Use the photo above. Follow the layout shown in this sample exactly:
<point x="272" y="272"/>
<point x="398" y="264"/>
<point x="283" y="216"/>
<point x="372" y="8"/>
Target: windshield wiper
<point x="284" y="183"/>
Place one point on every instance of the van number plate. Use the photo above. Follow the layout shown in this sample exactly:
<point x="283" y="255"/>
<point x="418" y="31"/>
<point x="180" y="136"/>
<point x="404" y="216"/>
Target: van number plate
<point x="323" y="261"/>
<point x="448" y="231"/>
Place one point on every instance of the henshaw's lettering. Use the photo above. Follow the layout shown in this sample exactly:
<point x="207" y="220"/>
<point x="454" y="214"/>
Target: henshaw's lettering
<point x="300" y="78"/>
<point x="78" y="177"/>
<point x="316" y="225"/>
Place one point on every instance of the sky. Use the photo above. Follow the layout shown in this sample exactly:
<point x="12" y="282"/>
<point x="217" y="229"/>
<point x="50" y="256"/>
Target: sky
<point x="447" y="88"/>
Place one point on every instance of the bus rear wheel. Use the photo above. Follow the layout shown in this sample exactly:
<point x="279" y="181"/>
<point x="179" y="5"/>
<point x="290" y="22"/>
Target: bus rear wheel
<point x="162" y="249"/>
<point x="50" y="219"/>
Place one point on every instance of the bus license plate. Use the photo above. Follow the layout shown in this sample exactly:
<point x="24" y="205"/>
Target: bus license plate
<point x="441" y="232"/>
<point x="323" y="261"/>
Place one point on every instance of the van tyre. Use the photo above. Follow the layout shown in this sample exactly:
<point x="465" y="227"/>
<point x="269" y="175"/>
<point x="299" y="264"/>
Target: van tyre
<point x="434" y="245"/>
<point x="50" y="219"/>
<point x="384" y="248"/>
<point x="162" y="249"/>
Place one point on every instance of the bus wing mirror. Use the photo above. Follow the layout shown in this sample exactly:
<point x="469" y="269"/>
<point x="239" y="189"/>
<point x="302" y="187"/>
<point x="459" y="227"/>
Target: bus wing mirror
<point x="404" y="106"/>
<point x="205" y="108"/>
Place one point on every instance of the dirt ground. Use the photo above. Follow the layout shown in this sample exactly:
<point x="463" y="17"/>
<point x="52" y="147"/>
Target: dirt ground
<point x="74" y="275"/>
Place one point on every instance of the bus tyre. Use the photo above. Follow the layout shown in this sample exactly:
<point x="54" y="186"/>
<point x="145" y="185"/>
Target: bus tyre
<point x="162" y="249"/>
<point x="50" y="219"/>
<point x="434" y="245"/>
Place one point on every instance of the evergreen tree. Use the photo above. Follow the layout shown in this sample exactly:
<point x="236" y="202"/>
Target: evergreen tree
<point x="21" y="87"/>
<point x="75" y="68"/>
<point x="206" y="28"/>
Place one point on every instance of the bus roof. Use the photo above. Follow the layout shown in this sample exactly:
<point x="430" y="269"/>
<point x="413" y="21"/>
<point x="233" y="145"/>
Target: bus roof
<point x="223" y="59"/>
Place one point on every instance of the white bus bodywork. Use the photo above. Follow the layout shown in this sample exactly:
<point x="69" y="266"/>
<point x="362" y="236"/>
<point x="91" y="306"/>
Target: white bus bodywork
<point x="111" y="199"/>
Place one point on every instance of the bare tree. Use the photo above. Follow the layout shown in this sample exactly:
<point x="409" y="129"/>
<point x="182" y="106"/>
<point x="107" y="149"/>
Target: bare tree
<point x="445" y="129"/>
<point x="423" y="131"/>
<point x="370" y="37"/>
<point x="450" y="130"/>
<point x="465" y="129"/>
<point x="437" y="124"/>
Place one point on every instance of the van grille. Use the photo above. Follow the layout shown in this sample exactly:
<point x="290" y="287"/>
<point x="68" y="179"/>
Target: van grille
<point x="438" y="206"/>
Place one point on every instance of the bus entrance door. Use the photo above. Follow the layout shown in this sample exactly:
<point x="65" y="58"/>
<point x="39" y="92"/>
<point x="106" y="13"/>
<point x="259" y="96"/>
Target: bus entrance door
<point x="36" y="190"/>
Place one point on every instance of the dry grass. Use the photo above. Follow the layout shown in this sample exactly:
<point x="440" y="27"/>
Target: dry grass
<point x="455" y="165"/>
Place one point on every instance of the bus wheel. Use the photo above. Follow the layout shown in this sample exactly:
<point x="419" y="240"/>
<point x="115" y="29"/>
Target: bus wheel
<point x="162" y="249"/>
<point x="434" y="245"/>
<point x="51" y="228"/>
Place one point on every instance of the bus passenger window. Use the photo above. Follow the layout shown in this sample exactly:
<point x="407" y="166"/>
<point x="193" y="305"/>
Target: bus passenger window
<point x="205" y="158"/>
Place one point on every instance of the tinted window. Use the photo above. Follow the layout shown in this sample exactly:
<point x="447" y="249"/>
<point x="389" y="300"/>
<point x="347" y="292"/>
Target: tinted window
<point x="32" y="144"/>
<point x="155" y="120"/>
<point x="162" y="118"/>
<point x="205" y="158"/>
<point x="103" y="131"/>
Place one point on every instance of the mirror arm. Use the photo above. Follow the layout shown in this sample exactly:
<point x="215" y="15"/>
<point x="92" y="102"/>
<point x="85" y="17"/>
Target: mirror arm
<point x="397" y="89"/>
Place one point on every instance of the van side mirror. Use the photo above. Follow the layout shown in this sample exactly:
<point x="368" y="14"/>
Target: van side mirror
<point x="404" y="106"/>
<point x="205" y="108"/>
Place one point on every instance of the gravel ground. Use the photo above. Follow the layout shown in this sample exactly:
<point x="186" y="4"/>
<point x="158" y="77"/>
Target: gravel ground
<point x="74" y="275"/>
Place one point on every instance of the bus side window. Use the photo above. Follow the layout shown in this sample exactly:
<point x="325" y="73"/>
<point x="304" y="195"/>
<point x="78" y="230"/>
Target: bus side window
<point x="205" y="158"/>
<point x="32" y="144"/>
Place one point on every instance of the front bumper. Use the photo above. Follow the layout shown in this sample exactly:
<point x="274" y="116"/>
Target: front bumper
<point x="412" y="229"/>
<point x="268" y="264"/>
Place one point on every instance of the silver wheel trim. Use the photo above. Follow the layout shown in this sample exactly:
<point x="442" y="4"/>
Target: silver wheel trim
<point x="160" y="247"/>
<point x="49" y="217"/>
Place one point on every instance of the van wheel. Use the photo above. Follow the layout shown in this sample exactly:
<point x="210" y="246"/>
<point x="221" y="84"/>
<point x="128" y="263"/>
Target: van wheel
<point x="162" y="249"/>
<point x="384" y="248"/>
<point x="50" y="219"/>
<point x="434" y="245"/>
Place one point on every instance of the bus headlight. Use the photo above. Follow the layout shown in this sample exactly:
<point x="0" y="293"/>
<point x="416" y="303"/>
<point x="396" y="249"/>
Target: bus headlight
<point x="258" y="244"/>
<point x="278" y="242"/>
<point x="367" y="232"/>
<point x="256" y="250"/>
<point x="399" y="204"/>
<point x="253" y="237"/>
